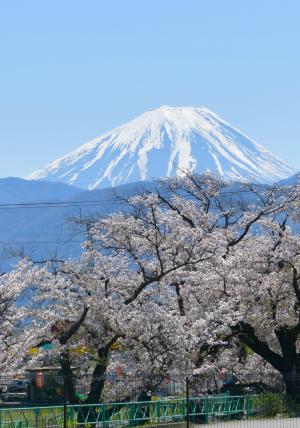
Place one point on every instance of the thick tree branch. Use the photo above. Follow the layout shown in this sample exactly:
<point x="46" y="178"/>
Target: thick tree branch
<point x="247" y="335"/>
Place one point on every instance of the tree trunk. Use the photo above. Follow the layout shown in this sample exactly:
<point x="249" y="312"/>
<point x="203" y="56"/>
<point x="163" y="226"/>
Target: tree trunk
<point x="91" y="414"/>
<point x="68" y="378"/>
<point x="98" y="377"/>
<point x="287" y="364"/>
<point x="292" y="384"/>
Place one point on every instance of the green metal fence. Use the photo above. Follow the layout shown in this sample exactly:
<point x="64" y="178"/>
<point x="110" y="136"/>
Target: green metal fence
<point x="129" y="414"/>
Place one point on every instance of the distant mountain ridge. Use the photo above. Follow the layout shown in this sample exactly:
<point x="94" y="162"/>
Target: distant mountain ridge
<point x="14" y="190"/>
<point x="40" y="225"/>
<point x="35" y="217"/>
<point x="162" y="143"/>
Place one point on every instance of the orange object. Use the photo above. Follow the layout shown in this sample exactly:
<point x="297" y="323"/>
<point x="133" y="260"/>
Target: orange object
<point x="120" y="372"/>
<point x="39" y="380"/>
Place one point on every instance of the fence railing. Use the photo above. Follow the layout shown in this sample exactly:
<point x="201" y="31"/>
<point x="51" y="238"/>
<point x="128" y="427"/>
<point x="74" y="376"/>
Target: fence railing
<point x="129" y="414"/>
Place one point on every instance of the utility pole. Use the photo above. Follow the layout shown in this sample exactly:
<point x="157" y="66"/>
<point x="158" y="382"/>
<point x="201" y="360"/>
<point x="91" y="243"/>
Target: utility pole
<point x="187" y="390"/>
<point x="65" y="402"/>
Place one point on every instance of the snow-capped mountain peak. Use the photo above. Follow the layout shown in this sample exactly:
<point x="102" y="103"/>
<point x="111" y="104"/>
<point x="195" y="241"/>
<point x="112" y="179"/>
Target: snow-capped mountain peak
<point x="162" y="143"/>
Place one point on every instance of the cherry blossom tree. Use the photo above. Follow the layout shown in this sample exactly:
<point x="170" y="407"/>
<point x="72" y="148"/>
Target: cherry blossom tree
<point x="196" y="276"/>
<point x="82" y="308"/>
<point x="17" y="333"/>
<point x="211" y="247"/>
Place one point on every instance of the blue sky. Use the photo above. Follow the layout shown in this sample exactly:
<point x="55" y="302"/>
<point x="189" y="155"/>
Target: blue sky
<point x="73" y="69"/>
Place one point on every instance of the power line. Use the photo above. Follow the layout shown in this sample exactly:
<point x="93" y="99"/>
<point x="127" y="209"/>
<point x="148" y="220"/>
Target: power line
<point x="41" y="242"/>
<point x="49" y="204"/>
<point x="37" y="183"/>
<point x="31" y="234"/>
<point x="67" y="204"/>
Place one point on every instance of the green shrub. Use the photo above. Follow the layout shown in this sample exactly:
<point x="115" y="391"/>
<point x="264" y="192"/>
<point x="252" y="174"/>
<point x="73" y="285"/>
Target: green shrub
<point x="268" y="405"/>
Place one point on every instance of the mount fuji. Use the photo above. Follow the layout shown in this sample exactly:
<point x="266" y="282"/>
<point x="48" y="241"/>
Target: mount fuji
<point x="162" y="143"/>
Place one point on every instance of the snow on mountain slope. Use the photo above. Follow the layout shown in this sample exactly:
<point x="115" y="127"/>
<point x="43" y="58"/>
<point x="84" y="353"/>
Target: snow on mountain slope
<point x="163" y="143"/>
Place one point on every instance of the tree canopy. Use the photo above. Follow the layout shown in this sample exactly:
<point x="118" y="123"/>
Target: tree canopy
<point x="195" y="277"/>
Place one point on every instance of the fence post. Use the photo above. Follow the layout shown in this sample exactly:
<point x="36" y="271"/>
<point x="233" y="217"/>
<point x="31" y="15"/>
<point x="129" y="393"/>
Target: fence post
<point x="206" y="410"/>
<point x="187" y="403"/>
<point x="36" y="416"/>
<point x="104" y="422"/>
<point x="158" y="411"/>
<point x="71" y="414"/>
<point x="131" y="414"/>
<point x="65" y="404"/>
<point x="249" y="405"/>
<point x="183" y="408"/>
<point x="245" y="406"/>
<point x="228" y="407"/>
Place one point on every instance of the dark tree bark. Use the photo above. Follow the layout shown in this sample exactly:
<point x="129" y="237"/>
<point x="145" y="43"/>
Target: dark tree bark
<point x="68" y="378"/>
<point x="66" y="369"/>
<point x="287" y="364"/>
